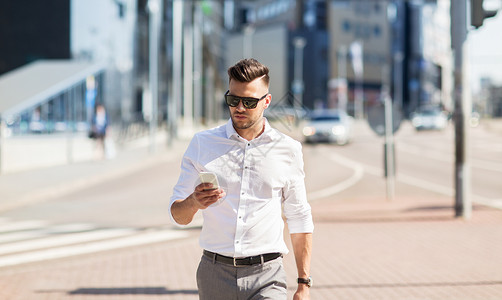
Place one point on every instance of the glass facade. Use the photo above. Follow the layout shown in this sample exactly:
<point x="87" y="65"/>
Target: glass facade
<point x="68" y="111"/>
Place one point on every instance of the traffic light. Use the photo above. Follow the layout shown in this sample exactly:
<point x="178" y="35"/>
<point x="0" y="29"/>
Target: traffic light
<point x="479" y="14"/>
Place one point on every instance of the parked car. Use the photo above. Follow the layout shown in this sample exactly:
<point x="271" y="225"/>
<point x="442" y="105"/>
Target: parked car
<point x="332" y="126"/>
<point x="429" y="119"/>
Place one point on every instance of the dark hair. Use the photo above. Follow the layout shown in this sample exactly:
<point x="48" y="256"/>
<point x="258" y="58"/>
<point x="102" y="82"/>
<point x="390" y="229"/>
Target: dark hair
<point x="247" y="70"/>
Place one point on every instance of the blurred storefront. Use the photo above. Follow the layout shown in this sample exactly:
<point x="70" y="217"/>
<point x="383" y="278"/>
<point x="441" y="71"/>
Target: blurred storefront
<point x="50" y="96"/>
<point x="50" y="103"/>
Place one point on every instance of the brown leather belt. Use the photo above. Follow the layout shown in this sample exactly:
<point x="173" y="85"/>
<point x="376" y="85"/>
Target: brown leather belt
<point x="244" y="261"/>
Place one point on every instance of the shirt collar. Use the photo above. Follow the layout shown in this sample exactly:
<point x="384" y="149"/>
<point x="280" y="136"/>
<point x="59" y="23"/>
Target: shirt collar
<point x="267" y="134"/>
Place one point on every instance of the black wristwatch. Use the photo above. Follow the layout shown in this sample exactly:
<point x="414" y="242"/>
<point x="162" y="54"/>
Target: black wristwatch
<point x="308" y="281"/>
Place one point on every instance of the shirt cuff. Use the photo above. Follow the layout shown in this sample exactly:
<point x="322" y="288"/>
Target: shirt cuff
<point x="305" y="225"/>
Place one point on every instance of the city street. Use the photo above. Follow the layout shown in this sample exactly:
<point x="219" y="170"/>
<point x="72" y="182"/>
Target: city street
<point x="99" y="101"/>
<point x="113" y="240"/>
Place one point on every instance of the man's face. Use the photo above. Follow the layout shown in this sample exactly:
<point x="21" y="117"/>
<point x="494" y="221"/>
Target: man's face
<point x="245" y="118"/>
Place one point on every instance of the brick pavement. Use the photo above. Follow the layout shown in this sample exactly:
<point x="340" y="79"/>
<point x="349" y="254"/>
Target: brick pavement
<point x="365" y="247"/>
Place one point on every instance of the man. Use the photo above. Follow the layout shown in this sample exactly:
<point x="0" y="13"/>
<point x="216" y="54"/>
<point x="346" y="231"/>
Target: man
<point x="260" y="171"/>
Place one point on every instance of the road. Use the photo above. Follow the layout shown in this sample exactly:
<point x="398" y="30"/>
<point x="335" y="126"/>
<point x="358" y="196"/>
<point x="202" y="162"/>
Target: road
<point x="424" y="159"/>
<point x="130" y="210"/>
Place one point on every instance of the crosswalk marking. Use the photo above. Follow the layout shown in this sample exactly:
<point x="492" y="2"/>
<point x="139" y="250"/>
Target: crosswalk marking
<point x="62" y="240"/>
<point x="41" y="232"/>
<point x="31" y="241"/>
<point x="47" y="254"/>
<point x="73" y="227"/>
<point x="22" y="225"/>
<point x="19" y="236"/>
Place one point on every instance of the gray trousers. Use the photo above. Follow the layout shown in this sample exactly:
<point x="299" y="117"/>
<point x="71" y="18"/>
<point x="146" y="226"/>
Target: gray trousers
<point x="218" y="281"/>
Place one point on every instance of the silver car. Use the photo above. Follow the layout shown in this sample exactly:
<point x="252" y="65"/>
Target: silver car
<point x="332" y="126"/>
<point x="430" y="119"/>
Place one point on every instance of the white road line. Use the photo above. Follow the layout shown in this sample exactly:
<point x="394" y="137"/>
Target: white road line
<point x="337" y="188"/>
<point x="487" y="165"/>
<point x="19" y="236"/>
<point x="47" y="254"/>
<point x="434" y="187"/>
<point x="63" y="240"/>
<point x="427" y="185"/>
<point x="495" y="203"/>
<point x="37" y="233"/>
<point x="424" y="152"/>
<point x="72" y="227"/>
<point x="487" y="147"/>
<point x="22" y="225"/>
<point x="475" y="163"/>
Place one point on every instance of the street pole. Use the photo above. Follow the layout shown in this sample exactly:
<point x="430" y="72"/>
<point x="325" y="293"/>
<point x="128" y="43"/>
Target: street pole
<point x="356" y="51"/>
<point x="155" y="9"/>
<point x="463" y="205"/>
<point x="177" y="72"/>
<point x="342" y="78"/>
<point x="197" y="64"/>
<point x="398" y="79"/>
<point x="188" y="72"/>
<point x="247" y="45"/>
<point x="298" y="83"/>
<point x="389" y="148"/>
<point x="389" y="134"/>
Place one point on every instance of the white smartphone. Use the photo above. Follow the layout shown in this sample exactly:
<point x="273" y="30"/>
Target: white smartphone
<point x="209" y="177"/>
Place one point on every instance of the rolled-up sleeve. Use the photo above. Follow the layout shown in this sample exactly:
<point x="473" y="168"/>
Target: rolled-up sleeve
<point x="296" y="207"/>
<point x="188" y="176"/>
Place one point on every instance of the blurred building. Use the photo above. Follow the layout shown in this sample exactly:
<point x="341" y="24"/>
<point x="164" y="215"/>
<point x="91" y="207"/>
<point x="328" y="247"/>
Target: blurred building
<point x="61" y="57"/>
<point x="32" y="30"/>
<point x="313" y="48"/>
<point x="488" y="102"/>
<point x="367" y="23"/>
<point x="405" y="46"/>
<point x="289" y="37"/>
<point x="428" y="63"/>
<point x="103" y="31"/>
<point x="50" y="96"/>
<point x="194" y="47"/>
<point x="116" y="33"/>
<point x="77" y="31"/>
<point x="43" y="89"/>
<point x="495" y="101"/>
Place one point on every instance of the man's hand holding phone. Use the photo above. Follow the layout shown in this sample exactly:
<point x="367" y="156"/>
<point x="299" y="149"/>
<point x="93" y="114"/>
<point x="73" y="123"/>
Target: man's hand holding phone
<point x="208" y="192"/>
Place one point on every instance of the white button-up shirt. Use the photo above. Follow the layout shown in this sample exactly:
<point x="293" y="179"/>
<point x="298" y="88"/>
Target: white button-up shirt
<point x="259" y="177"/>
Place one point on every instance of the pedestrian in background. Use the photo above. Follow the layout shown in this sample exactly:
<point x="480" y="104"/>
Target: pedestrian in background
<point x="99" y="129"/>
<point x="260" y="172"/>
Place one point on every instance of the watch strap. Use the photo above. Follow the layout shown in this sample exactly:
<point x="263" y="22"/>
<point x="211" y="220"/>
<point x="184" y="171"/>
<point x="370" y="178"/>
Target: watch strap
<point x="307" y="281"/>
<point x="303" y="280"/>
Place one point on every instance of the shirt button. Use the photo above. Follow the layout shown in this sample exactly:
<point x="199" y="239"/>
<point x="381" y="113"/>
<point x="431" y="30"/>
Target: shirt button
<point x="249" y="144"/>
<point x="237" y="242"/>
<point x="242" y="193"/>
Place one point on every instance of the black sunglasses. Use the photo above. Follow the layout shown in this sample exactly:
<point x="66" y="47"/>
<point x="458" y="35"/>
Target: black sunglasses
<point x="248" y="102"/>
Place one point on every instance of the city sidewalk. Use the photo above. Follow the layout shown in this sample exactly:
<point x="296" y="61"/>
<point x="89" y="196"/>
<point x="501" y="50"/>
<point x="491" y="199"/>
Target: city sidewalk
<point x="23" y="188"/>
<point x="365" y="247"/>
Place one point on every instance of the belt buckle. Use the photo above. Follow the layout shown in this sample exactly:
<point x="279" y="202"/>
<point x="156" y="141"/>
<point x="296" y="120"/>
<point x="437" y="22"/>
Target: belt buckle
<point x="235" y="264"/>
